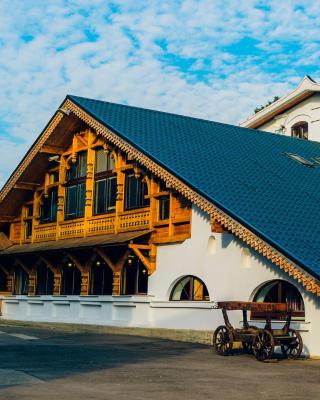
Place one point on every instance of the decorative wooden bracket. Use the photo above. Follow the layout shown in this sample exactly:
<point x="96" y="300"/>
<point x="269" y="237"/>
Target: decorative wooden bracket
<point x="26" y="185"/>
<point x="51" y="150"/>
<point x="148" y="262"/>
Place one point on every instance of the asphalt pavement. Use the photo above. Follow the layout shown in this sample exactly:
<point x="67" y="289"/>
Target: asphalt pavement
<point x="49" y="364"/>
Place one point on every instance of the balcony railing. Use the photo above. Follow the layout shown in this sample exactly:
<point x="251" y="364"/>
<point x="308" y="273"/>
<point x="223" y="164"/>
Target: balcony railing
<point x="97" y="225"/>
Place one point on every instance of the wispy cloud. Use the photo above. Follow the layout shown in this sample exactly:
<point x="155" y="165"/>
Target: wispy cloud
<point x="212" y="59"/>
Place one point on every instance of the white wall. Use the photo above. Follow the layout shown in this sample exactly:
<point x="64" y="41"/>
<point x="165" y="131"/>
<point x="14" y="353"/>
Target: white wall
<point x="229" y="269"/>
<point x="308" y="110"/>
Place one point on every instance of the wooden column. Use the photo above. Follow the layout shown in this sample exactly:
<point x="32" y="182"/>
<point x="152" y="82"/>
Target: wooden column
<point x="90" y="178"/>
<point x="120" y="189"/>
<point x="57" y="281"/>
<point x="61" y="193"/>
<point x="36" y="213"/>
<point x="32" y="282"/>
<point x="116" y="283"/>
<point x="10" y="278"/>
<point x="85" y="280"/>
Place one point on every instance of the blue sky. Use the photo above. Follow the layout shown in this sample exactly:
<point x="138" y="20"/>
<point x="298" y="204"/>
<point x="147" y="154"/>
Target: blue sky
<point x="215" y="59"/>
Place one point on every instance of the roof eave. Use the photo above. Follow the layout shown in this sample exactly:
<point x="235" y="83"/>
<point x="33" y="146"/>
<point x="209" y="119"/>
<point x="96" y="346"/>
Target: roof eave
<point x="306" y="88"/>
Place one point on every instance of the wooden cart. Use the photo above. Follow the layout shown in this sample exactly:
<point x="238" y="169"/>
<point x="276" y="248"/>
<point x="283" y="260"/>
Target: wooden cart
<point x="261" y="342"/>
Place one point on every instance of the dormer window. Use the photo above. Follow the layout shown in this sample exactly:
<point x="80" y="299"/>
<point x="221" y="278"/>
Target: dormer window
<point x="300" y="130"/>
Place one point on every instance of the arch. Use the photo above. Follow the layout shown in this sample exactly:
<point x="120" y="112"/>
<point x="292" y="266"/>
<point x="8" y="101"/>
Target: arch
<point x="300" y="130"/>
<point x="189" y="288"/>
<point x="280" y="291"/>
<point x="45" y="279"/>
<point x="246" y="258"/>
<point x="212" y="245"/>
<point x="134" y="277"/>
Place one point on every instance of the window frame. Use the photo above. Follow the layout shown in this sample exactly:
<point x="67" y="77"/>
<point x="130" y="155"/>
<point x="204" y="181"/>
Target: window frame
<point x="141" y="200"/>
<point x="302" y="133"/>
<point x="107" y="176"/>
<point x="78" y="180"/>
<point x="191" y="294"/>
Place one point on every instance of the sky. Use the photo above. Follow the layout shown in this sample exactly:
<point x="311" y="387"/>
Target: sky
<point x="213" y="59"/>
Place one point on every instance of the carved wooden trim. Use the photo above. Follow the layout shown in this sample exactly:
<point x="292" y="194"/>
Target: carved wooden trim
<point x="29" y="157"/>
<point x="310" y="283"/>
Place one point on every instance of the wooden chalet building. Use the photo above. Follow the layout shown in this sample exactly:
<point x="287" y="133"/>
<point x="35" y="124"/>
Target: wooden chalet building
<point x="119" y="215"/>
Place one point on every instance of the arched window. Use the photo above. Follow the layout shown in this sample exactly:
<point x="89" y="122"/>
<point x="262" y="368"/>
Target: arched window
<point x="189" y="288"/>
<point x="300" y="130"/>
<point x="279" y="291"/>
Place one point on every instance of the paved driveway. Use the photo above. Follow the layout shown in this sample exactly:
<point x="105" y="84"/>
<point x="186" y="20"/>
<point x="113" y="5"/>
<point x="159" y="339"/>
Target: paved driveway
<point x="44" y="364"/>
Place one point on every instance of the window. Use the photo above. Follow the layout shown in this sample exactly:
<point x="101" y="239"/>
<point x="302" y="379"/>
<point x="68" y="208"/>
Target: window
<point x="44" y="280"/>
<point x="134" y="278"/>
<point x="164" y="208"/>
<point x="21" y="281"/>
<point x="300" y="130"/>
<point x="135" y="192"/>
<point x="49" y="207"/>
<point x="105" y="186"/>
<point x="190" y="288"/>
<point x="279" y="291"/>
<point x="28" y="221"/>
<point x="3" y="281"/>
<point x="101" y="278"/>
<point x="71" y="280"/>
<point x="76" y="188"/>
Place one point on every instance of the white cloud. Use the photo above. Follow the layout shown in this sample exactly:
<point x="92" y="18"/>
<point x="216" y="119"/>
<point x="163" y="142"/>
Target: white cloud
<point x="183" y="56"/>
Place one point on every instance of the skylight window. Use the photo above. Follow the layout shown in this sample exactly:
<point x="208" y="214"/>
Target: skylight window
<point x="300" y="160"/>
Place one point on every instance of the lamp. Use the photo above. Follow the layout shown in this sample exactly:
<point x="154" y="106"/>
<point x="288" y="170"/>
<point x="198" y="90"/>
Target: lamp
<point x="69" y="265"/>
<point x="98" y="263"/>
<point x="130" y="259"/>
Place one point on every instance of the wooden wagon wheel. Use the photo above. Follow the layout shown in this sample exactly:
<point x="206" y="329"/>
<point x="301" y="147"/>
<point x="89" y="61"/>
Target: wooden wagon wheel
<point x="263" y="345"/>
<point x="294" y="348"/>
<point x="222" y="340"/>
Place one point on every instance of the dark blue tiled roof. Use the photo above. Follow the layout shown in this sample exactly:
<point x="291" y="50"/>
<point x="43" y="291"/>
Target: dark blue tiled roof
<point x="244" y="172"/>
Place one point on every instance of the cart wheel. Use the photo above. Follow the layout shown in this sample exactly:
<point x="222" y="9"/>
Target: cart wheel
<point x="293" y="349"/>
<point x="247" y="347"/>
<point x="263" y="345"/>
<point x="222" y="340"/>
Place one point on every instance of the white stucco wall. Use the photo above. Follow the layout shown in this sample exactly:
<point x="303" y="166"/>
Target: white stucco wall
<point x="308" y="110"/>
<point x="228" y="268"/>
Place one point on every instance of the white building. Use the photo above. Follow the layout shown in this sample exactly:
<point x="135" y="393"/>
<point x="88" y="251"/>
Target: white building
<point x="296" y="114"/>
<point x="199" y="212"/>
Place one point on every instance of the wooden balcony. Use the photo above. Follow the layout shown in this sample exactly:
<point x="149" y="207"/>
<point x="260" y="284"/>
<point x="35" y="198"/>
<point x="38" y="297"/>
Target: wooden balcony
<point x="97" y="225"/>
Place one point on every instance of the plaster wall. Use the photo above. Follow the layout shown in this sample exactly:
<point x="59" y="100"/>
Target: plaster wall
<point x="229" y="269"/>
<point x="308" y="110"/>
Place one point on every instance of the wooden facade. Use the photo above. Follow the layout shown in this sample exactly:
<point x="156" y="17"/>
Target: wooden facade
<point x="162" y="216"/>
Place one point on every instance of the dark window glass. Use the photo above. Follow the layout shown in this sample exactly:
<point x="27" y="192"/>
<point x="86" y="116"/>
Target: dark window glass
<point x="21" y="281"/>
<point x="135" y="192"/>
<point x="300" y="130"/>
<point x="49" y="207"/>
<point x="164" y="208"/>
<point x="190" y="288"/>
<point x="134" y="278"/>
<point x="44" y="280"/>
<point x="29" y="211"/>
<point x="71" y="281"/>
<point x="278" y="291"/>
<point x="105" y="189"/>
<point x="101" y="279"/>
<point x="76" y="188"/>
<point x="3" y="281"/>
<point x="28" y="228"/>
<point x="105" y="195"/>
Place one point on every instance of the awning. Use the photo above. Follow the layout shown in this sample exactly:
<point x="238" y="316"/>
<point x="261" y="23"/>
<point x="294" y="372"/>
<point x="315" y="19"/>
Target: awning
<point x="81" y="243"/>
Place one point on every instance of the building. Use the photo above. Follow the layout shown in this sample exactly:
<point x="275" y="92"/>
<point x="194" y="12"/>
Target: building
<point x="119" y="215"/>
<point x="296" y="114"/>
